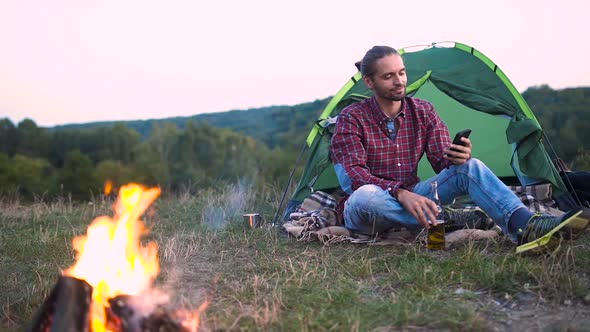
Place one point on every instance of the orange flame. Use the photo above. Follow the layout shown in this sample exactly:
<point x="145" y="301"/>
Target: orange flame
<point x="191" y="320"/>
<point x="110" y="256"/>
<point x="108" y="187"/>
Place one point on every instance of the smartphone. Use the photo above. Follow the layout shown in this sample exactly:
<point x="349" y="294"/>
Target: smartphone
<point x="457" y="139"/>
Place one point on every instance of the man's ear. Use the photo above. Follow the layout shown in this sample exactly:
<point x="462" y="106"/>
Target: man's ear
<point x="368" y="82"/>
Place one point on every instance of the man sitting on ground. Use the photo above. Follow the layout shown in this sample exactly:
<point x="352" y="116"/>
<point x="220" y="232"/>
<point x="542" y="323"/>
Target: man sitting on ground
<point x="376" y="148"/>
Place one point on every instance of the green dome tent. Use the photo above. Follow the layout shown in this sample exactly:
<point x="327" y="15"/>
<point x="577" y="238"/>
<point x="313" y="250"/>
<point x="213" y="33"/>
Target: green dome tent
<point x="469" y="91"/>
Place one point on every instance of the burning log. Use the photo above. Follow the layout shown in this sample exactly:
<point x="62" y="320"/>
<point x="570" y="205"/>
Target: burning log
<point x="131" y="320"/>
<point x="162" y="321"/>
<point x="65" y="309"/>
<point x="121" y="314"/>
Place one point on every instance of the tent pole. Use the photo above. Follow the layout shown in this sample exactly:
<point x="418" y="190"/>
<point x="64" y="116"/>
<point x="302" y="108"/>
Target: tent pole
<point x="559" y="166"/>
<point x="274" y="220"/>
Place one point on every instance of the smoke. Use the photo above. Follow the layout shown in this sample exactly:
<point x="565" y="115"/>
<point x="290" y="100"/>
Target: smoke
<point x="147" y="302"/>
<point x="228" y="205"/>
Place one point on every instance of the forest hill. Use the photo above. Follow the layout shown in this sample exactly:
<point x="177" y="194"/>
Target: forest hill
<point x="258" y="145"/>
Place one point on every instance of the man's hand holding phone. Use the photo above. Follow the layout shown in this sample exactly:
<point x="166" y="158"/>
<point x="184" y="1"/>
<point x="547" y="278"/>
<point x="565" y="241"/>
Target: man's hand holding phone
<point x="460" y="150"/>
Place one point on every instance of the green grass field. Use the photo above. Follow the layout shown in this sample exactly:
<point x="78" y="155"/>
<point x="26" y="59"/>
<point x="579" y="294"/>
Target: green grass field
<point x="260" y="280"/>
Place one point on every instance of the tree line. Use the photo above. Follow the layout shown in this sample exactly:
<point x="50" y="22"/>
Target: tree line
<point x="565" y="117"/>
<point x="257" y="145"/>
<point x="281" y="125"/>
<point x="37" y="161"/>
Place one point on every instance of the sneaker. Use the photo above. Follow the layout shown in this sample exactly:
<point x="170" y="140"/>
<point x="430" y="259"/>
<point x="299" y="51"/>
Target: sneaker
<point x="542" y="228"/>
<point x="466" y="218"/>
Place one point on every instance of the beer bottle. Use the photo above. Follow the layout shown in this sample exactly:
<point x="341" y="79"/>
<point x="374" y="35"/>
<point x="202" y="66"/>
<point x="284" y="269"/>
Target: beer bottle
<point x="436" y="233"/>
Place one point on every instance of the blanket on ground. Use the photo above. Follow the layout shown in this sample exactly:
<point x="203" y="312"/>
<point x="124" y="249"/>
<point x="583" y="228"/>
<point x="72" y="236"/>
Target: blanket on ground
<point x="316" y="220"/>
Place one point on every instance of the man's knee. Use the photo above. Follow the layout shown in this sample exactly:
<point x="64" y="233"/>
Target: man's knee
<point x="365" y="195"/>
<point x="474" y="162"/>
<point x="473" y="165"/>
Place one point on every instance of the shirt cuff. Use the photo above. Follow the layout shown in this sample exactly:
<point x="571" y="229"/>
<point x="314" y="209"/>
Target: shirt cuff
<point x="392" y="189"/>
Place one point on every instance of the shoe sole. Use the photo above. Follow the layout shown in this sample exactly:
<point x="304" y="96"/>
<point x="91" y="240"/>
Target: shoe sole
<point x="582" y="223"/>
<point x="572" y="221"/>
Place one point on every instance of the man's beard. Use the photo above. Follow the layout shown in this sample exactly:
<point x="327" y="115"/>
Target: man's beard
<point x="387" y="95"/>
<point x="395" y="97"/>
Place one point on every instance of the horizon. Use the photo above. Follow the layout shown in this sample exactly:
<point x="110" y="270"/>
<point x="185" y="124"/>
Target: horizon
<point x="183" y="116"/>
<point x="66" y="62"/>
<point x="225" y="111"/>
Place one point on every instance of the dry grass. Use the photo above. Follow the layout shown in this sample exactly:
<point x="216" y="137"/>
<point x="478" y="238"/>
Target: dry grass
<point x="260" y="280"/>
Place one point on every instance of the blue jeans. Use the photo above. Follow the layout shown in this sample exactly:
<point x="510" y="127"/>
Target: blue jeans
<point x="370" y="209"/>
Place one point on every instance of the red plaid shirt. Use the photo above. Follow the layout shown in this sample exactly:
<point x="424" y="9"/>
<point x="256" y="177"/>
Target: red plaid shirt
<point x="362" y="143"/>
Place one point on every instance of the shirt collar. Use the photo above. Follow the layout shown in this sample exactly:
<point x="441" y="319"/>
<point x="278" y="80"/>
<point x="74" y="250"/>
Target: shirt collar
<point x="378" y="113"/>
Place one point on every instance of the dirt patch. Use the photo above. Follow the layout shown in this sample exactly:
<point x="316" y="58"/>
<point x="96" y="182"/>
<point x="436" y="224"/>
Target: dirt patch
<point x="529" y="312"/>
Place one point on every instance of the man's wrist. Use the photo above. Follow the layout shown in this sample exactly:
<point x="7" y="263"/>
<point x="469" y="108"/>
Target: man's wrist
<point x="394" y="191"/>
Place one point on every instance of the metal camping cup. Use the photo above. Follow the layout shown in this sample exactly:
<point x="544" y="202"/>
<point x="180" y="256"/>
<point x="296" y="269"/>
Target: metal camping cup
<point x="252" y="220"/>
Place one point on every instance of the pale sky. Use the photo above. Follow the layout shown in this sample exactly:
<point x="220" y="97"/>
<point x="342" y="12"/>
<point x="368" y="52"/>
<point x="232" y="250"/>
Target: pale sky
<point x="81" y="61"/>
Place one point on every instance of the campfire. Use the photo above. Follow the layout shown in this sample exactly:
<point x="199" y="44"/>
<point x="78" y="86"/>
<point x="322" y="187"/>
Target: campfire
<point x="110" y="287"/>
